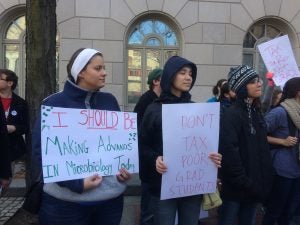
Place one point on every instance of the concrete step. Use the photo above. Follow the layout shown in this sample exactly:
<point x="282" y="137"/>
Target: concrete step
<point x="131" y="211"/>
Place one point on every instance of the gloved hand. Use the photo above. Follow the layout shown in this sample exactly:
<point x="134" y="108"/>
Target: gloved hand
<point x="269" y="76"/>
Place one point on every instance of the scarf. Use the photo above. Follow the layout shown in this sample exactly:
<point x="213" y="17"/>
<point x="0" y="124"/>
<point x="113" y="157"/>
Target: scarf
<point x="293" y="109"/>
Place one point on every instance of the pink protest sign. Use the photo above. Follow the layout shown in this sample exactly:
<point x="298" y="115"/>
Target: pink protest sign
<point x="279" y="59"/>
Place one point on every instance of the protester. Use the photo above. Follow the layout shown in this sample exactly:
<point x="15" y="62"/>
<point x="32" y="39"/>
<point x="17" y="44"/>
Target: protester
<point x="146" y="216"/>
<point x="226" y="98"/>
<point x="283" y="124"/>
<point x="277" y="94"/>
<point x="16" y="112"/>
<point x="94" y="200"/>
<point x="272" y="94"/>
<point x="246" y="171"/>
<point x="149" y="96"/>
<point x="5" y="168"/>
<point x="178" y="78"/>
<point x="216" y="90"/>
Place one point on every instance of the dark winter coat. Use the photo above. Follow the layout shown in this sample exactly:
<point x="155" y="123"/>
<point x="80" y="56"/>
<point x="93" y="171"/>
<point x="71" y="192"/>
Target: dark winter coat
<point x="5" y="167"/>
<point x="151" y="127"/>
<point x="224" y="104"/>
<point x="145" y="100"/>
<point x="74" y="97"/>
<point x="246" y="171"/>
<point x="17" y="116"/>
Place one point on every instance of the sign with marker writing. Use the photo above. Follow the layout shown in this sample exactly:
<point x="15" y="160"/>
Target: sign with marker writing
<point x="190" y="133"/>
<point x="279" y="59"/>
<point x="77" y="143"/>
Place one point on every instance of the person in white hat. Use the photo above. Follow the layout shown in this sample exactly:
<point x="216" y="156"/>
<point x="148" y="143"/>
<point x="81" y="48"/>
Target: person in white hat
<point x="94" y="200"/>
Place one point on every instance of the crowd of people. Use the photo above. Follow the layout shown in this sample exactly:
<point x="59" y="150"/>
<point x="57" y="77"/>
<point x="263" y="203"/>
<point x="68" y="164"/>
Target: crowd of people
<point x="258" y="157"/>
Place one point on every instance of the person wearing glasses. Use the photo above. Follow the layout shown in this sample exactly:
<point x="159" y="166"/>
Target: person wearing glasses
<point x="246" y="171"/>
<point x="15" y="110"/>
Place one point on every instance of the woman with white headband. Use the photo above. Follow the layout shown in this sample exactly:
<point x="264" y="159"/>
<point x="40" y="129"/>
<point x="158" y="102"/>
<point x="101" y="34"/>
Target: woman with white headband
<point x="94" y="200"/>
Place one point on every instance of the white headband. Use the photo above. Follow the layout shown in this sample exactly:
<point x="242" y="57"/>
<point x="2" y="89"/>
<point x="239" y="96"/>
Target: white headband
<point x="81" y="60"/>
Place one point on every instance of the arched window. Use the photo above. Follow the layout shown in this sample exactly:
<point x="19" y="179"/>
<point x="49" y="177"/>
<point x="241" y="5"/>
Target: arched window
<point x="261" y="32"/>
<point x="14" y="50"/>
<point x="149" y="44"/>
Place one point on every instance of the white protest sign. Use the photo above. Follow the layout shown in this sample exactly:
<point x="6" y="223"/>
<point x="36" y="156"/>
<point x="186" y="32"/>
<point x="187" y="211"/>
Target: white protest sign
<point x="77" y="143"/>
<point x="190" y="133"/>
<point x="279" y="59"/>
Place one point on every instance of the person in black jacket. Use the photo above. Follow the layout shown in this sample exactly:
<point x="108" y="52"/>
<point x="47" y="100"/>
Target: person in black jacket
<point x="145" y="100"/>
<point x="227" y="97"/>
<point x="5" y="168"/>
<point x="178" y="78"/>
<point x="246" y="171"/>
<point x="149" y="96"/>
<point x="16" y="113"/>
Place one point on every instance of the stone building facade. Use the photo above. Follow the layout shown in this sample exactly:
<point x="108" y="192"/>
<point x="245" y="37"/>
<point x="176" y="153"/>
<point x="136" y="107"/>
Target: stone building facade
<point x="136" y="36"/>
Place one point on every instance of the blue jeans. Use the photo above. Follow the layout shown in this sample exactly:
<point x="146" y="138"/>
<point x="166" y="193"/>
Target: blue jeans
<point x="231" y="211"/>
<point x="188" y="210"/>
<point x="147" y="209"/>
<point x="283" y="201"/>
<point x="57" y="212"/>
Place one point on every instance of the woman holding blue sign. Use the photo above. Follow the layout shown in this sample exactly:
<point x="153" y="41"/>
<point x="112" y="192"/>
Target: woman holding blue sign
<point x="94" y="200"/>
<point x="178" y="78"/>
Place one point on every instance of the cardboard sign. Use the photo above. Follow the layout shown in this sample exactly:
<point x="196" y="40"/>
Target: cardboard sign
<point x="190" y="133"/>
<point x="77" y="143"/>
<point x="279" y="59"/>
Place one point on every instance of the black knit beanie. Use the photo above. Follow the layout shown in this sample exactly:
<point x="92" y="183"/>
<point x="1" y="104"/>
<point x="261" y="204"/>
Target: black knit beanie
<point x="239" y="77"/>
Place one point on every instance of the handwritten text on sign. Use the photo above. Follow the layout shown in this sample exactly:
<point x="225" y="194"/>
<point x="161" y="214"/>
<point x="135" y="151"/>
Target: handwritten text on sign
<point x="77" y="143"/>
<point x="190" y="133"/>
<point x="279" y="59"/>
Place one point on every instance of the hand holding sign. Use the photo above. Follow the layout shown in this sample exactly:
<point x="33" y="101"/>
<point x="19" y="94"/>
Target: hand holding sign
<point x="216" y="158"/>
<point x="124" y="175"/>
<point x="91" y="182"/>
<point x="160" y="165"/>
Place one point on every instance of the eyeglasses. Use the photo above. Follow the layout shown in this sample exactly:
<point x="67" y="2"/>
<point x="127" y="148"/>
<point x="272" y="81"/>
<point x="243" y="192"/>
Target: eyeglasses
<point x="256" y="81"/>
